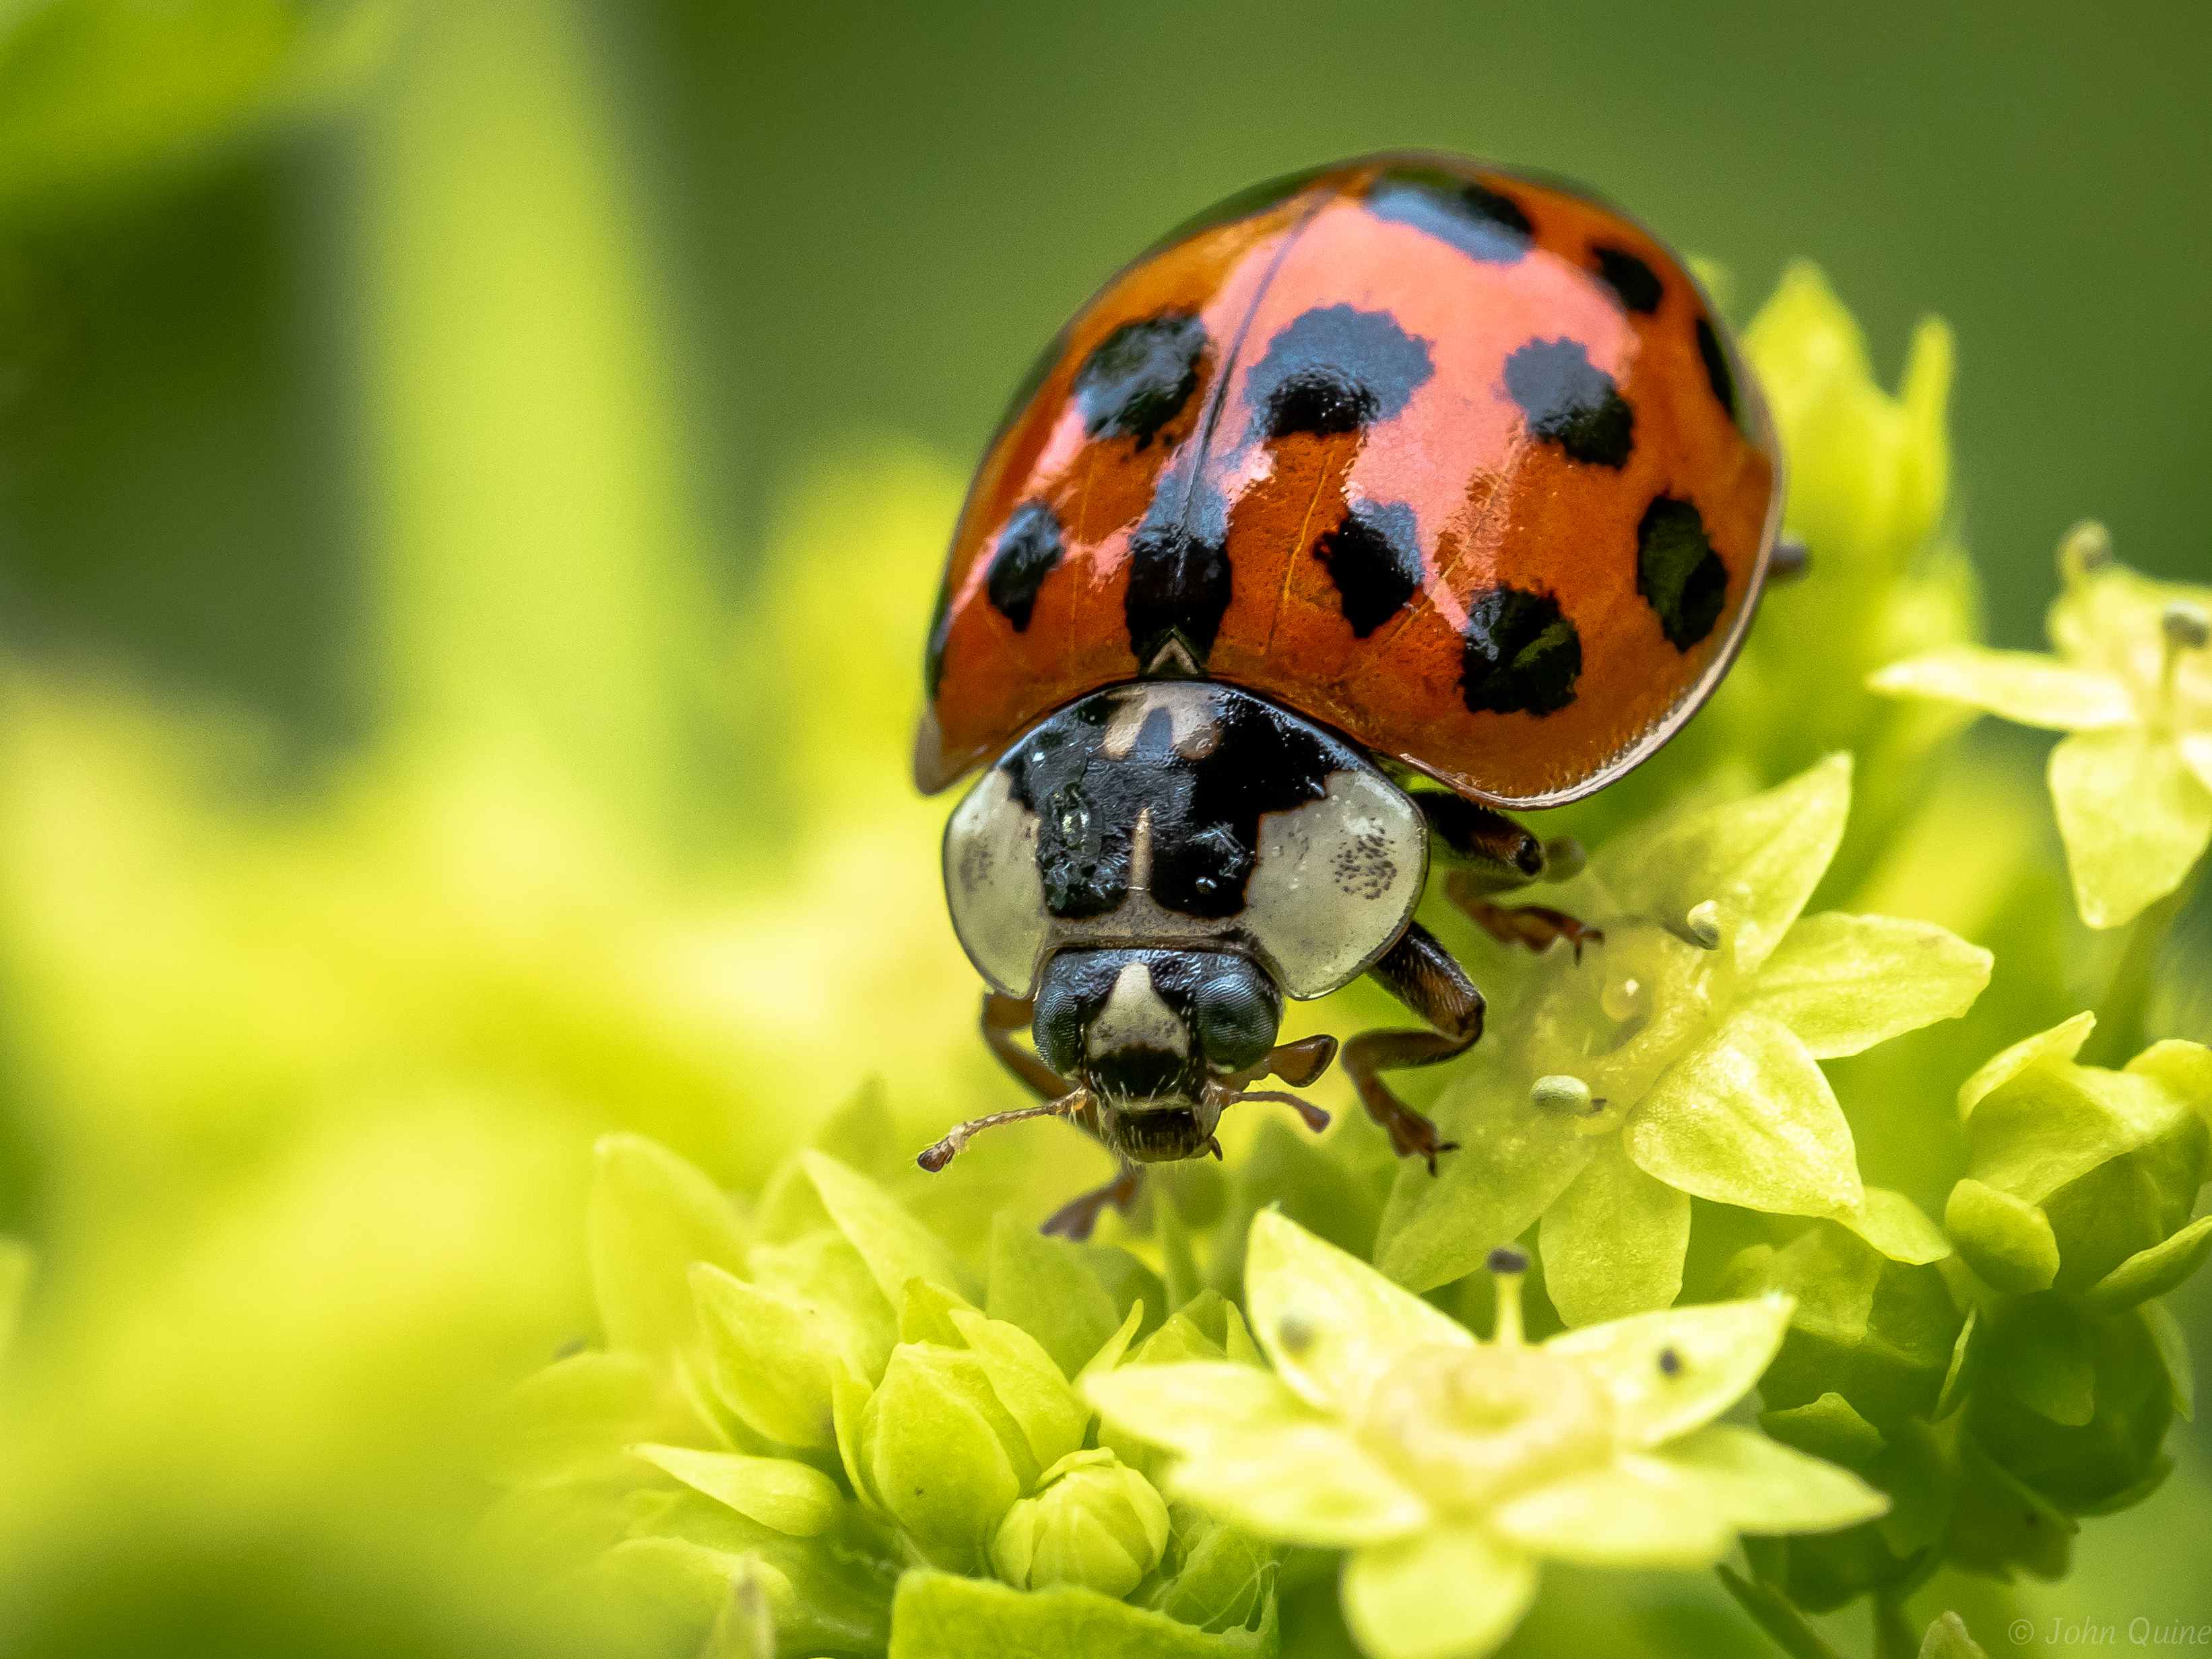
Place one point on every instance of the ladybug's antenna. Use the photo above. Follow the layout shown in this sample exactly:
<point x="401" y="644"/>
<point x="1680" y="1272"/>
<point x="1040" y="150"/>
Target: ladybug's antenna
<point x="935" y="1158"/>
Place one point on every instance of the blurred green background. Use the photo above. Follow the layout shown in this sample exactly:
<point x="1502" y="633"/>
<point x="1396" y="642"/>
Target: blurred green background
<point x="470" y="479"/>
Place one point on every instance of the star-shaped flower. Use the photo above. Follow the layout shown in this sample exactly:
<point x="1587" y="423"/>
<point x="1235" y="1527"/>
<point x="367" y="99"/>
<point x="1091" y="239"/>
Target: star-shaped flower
<point x="1681" y="1059"/>
<point x="1452" y="1468"/>
<point x="2129" y="678"/>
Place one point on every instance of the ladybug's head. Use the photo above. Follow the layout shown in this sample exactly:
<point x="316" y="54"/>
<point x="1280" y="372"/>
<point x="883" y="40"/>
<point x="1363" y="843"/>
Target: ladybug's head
<point x="1158" y="1039"/>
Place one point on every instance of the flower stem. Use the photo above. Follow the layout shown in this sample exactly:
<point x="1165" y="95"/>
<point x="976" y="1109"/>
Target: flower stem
<point x="1777" y="1615"/>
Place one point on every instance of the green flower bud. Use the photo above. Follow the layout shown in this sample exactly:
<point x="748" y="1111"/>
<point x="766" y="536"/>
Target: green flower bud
<point x="1825" y="1570"/>
<point x="2074" y="1170"/>
<point x="2074" y="1406"/>
<point x="1094" y="1522"/>
<point x="1217" y="1574"/>
<point x="941" y="1454"/>
<point x="1876" y="1333"/>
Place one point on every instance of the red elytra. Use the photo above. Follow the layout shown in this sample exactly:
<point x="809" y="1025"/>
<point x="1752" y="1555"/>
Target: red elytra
<point x="1458" y="462"/>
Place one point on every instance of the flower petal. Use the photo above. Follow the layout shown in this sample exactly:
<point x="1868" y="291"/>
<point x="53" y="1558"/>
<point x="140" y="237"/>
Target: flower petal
<point x="1764" y="1487"/>
<point x="1760" y="858"/>
<point x="1311" y="1484"/>
<point x="1844" y="983"/>
<point x="1450" y="1594"/>
<point x="1899" y="1228"/>
<point x="1613" y="1243"/>
<point x="1198" y="1408"/>
<point x="2024" y="686"/>
<point x="895" y="1246"/>
<point x="1331" y="1324"/>
<point x="1748" y="1118"/>
<point x="1633" y="1512"/>
<point x="1438" y="1228"/>
<point x="2134" y="819"/>
<point x="1668" y="1373"/>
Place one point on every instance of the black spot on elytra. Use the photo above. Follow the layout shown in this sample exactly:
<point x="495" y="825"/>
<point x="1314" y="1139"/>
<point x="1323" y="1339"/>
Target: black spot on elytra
<point x="1139" y="378"/>
<point x="1678" y="573"/>
<point x="1716" y="358"/>
<point x="1206" y="810"/>
<point x="1179" y="578"/>
<point x="1375" y="559"/>
<point x="1523" y="656"/>
<point x="1572" y="402"/>
<point x="1634" y="283"/>
<point x="1481" y="222"/>
<point x="1030" y="550"/>
<point x="1335" y="368"/>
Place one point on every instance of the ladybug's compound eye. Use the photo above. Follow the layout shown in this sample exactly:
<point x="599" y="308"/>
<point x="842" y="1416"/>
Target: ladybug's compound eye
<point x="1236" y="1012"/>
<point x="1056" y="1023"/>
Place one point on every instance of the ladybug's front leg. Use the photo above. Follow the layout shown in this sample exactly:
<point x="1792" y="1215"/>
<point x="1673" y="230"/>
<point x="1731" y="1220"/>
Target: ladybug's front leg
<point x="1002" y="1016"/>
<point x="1495" y="855"/>
<point x="1421" y="973"/>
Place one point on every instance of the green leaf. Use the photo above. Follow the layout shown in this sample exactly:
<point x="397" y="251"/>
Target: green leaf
<point x="1668" y="1373"/>
<point x="1451" y="1593"/>
<point x="764" y="1360"/>
<point x="1046" y="1286"/>
<point x="572" y="1420"/>
<point x="1762" y="1487"/>
<point x="2024" y="686"/>
<point x="2055" y="1047"/>
<point x="1438" y="1228"/>
<point x="1637" y="1511"/>
<point x="1613" y="1243"/>
<point x="1947" y="1639"/>
<point x="1330" y="1323"/>
<point x="1844" y="983"/>
<point x="651" y="1215"/>
<point x="1758" y="858"/>
<point x="1959" y="1376"/>
<point x="791" y="1497"/>
<point x="2171" y="1345"/>
<point x="2005" y="1239"/>
<point x="938" y="1616"/>
<point x="1828" y="1426"/>
<point x="895" y="1247"/>
<point x="1748" y="1118"/>
<point x="2134" y="817"/>
<point x="2152" y="1271"/>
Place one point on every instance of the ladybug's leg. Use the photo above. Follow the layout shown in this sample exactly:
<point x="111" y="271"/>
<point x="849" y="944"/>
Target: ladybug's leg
<point x="1002" y="1016"/>
<point x="1075" y="1219"/>
<point x="1496" y="855"/>
<point x="1421" y="973"/>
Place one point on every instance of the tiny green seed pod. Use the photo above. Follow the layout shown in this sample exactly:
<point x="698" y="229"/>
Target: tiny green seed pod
<point x="1093" y="1522"/>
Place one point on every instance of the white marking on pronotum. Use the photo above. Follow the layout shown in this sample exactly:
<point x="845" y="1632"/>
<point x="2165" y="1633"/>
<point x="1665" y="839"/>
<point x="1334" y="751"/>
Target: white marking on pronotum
<point x="1192" y="729"/>
<point x="1135" y="1018"/>
<point x="1335" y="881"/>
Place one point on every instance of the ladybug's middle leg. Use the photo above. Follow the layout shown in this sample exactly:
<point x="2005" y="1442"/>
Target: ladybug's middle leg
<point x="1421" y="973"/>
<point x="1075" y="1219"/>
<point x="1495" y="855"/>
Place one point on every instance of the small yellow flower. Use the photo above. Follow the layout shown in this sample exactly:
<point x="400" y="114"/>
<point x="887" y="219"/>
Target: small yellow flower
<point x="2130" y="680"/>
<point x="1449" y="1468"/>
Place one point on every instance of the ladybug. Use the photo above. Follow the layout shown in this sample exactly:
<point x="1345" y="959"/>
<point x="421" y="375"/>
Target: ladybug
<point x="1407" y="472"/>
